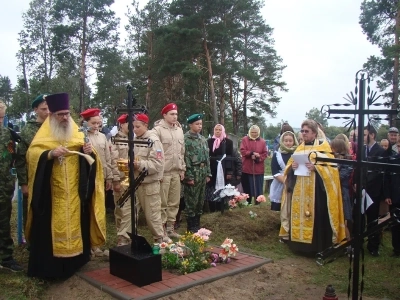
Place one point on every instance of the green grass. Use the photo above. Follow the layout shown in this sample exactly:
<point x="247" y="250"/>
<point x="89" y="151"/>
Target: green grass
<point x="257" y="236"/>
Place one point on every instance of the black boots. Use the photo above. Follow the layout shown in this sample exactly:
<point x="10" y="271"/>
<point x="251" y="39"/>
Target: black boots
<point x="193" y="223"/>
<point x="197" y="223"/>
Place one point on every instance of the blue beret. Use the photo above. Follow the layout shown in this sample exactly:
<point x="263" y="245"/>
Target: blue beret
<point x="194" y="118"/>
<point x="39" y="99"/>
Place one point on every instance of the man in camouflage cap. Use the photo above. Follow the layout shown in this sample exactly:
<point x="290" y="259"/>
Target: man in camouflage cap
<point x="28" y="132"/>
<point x="7" y="186"/>
<point x="197" y="173"/>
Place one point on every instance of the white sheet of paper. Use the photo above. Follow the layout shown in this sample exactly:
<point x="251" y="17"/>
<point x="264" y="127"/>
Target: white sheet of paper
<point x="301" y="159"/>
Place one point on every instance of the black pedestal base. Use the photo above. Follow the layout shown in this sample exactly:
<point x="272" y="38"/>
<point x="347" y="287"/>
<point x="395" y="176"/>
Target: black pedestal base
<point x="138" y="268"/>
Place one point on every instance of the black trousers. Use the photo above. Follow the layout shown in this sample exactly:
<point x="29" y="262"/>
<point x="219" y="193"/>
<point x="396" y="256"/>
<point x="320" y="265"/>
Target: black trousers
<point x="372" y="220"/>
<point x="395" y="231"/>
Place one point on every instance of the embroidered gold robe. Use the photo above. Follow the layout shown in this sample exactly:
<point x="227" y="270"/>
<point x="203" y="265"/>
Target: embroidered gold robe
<point x="295" y="205"/>
<point x="66" y="233"/>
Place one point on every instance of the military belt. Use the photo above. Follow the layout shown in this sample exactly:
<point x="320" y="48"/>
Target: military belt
<point x="200" y="165"/>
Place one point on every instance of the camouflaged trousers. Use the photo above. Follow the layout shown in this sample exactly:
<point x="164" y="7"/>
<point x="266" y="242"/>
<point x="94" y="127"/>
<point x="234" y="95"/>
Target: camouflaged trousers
<point x="194" y="195"/>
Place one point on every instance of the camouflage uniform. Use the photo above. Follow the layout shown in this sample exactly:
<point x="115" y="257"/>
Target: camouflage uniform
<point x="197" y="168"/>
<point x="28" y="132"/>
<point x="7" y="187"/>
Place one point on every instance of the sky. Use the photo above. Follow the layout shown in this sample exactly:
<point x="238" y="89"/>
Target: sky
<point x="320" y="42"/>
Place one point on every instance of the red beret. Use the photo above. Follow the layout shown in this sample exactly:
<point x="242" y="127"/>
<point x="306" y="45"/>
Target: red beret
<point x="168" y="107"/>
<point x="142" y="117"/>
<point x="123" y="119"/>
<point x="91" y="112"/>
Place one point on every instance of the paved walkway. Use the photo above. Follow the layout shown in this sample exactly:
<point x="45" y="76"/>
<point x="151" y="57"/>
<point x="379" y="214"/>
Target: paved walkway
<point x="171" y="283"/>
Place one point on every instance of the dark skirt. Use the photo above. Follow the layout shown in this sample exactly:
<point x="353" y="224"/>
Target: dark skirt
<point x="256" y="186"/>
<point x="275" y="206"/>
<point x="213" y="206"/>
<point x="322" y="231"/>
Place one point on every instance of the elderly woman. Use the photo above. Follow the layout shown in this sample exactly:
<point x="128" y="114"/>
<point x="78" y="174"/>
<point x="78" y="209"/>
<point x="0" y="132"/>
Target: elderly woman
<point x="254" y="151"/>
<point x="312" y="209"/>
<point x="219" y="145"/>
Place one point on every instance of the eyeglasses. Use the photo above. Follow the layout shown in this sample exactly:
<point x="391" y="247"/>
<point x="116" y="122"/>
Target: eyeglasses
<point x="304" y="131"/>
<point x="62" y="115"/>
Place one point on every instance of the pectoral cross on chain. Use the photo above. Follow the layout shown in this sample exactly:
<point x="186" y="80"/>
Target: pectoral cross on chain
<point x="85" y="130"/>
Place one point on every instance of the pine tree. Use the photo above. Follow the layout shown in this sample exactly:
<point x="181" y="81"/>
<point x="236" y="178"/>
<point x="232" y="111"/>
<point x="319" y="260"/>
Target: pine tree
<point x="85" y="27"/>
<point x="380" y="21"/>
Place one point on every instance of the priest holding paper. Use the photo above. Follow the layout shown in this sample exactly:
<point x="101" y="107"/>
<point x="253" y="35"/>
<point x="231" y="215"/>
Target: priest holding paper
<point x="312" y="213"/>
<point x="66" y="214"/>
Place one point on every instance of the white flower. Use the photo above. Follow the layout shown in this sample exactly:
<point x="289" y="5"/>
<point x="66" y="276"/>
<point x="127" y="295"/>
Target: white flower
<point x="229" y="190"/>
<point x="179" y="250"/>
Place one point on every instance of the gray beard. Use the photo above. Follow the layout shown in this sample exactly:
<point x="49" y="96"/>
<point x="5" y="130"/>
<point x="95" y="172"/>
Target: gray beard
<point x="58" y="131"/>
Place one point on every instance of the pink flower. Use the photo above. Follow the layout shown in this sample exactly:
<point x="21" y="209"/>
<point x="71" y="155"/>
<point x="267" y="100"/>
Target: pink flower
<point x="261" y="198"/>
<point x="224" y="254"/>
<point x="227" y="242"/>
<point x="213" y="264"/>
<point x="233" y="250"/>
<point x="204" y="231"/>
<point x="232" y="203"/>
<point x="163" y="245"/>
<point x="179" y="251"/>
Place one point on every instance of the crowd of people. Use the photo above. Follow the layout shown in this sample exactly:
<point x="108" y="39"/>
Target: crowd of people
<point x="66" y="171"/>
<point x="317" y="206"/>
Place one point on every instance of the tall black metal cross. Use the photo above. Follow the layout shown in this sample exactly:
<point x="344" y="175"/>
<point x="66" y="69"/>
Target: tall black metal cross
<point x="135" y="263"/>
<point x="362" y="99"/>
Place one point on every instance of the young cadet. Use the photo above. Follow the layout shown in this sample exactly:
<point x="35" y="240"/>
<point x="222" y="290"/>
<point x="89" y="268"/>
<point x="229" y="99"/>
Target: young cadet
<point x="197" y="173"/>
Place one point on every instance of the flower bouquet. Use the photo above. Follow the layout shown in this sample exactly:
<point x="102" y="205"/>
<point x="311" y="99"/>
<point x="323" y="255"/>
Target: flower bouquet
<point x="228" y="250"/>
<point x="261" y="199"/>
<point x="187" y="255"/>
<point x="231" y="197"/>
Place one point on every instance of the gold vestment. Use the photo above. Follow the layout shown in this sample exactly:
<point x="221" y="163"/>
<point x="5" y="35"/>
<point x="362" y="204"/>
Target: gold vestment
<point x="66" y="203"/>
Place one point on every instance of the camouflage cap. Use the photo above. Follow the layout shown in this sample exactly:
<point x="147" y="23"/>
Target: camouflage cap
<point x="194" y="118"/>
<point x="39" y="99"/>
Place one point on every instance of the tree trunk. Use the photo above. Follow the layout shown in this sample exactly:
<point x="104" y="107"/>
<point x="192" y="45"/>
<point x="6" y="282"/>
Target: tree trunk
<point x="222" y="93"/>
<point x="150" y="36"/>
<point x="396" y="67"/>
<point x="233" y="107"/>
<point x="245" y="90"/>
<point x="27" y="106"/>
<point x="210" y="78"/>
<point x="82" y="79"/>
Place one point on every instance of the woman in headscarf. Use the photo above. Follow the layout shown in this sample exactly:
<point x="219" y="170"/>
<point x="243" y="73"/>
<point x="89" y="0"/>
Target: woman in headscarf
<point x="312" y="208"/>
<point x="288" y="144"/>
<point x="254" y="151"/>
<point x="219" y="145"/>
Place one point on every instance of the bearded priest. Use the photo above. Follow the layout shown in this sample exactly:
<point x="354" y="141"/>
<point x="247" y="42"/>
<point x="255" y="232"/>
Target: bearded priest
<point x="66" y="214"/>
